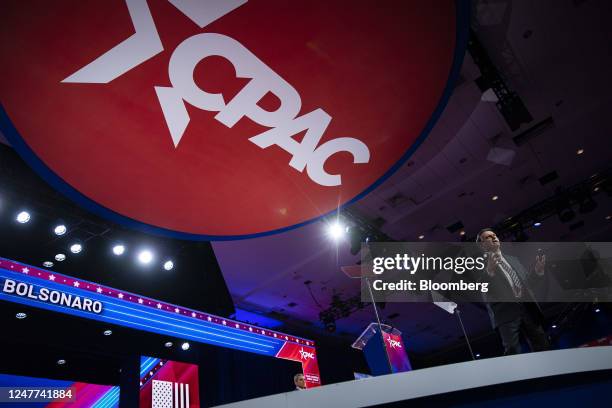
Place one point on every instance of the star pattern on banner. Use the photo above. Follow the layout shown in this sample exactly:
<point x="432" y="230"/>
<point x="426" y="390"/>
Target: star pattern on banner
<point x="82" y="285"/>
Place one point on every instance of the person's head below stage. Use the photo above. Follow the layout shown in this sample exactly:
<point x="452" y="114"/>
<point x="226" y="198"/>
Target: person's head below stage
<point x="488" y="241"/>
<point x="299" y="381"/>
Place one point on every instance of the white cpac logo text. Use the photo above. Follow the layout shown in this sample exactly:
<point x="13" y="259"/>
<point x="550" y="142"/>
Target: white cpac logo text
<point x="394" y="343"/>
<point x="145" y="43"/>
<point x="305" y="354"/>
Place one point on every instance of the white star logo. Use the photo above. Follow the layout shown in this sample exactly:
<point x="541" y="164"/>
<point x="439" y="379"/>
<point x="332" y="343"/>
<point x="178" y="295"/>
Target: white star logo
<point x="209" y="319"/>
<point x="193" y="314"/>
<point x="237" y="326"/>
<point x="140" y="301"/>
<point x="176" y="310"/>
<point x="51" y="277"/>
<point x="250" y="329"/>
<point x="120" y="296"/>
<point x="76" y="284"/>
<point x="274" y="334"/>
<point x="25" y="270"/>
<point x="99" y="290"/>
<point x="159" y="305"/>
<point x="224" y="322"/>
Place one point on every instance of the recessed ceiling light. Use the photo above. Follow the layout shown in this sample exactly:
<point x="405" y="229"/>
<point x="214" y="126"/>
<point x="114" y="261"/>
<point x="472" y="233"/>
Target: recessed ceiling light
<point x="76" y="248"/>
<point x="23" y="217"/>
<point x="145" y="256"/>
<point x="60" y="229"/>
<point x="421" y="236"/>
<point x="168" y="344"/>
<point x="60" y="257"/>
<point x="61" y="362"/>
<point x="168" y="265"/>
<point x="108" y="332"/>
<point x="21" y="315"/>
<point x="495" y="198"/>
<point x="47" y="264"/>
<point x="185" y="346"/>
<point x="118" y="249"/>
<point x="579" y="151"/>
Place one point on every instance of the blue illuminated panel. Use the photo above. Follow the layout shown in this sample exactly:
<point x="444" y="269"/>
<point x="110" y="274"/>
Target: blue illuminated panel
<point x="60" y="293"/>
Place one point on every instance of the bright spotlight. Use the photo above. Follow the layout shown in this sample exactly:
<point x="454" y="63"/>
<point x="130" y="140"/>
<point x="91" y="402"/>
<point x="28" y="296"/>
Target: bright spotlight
<point x="76" y="248"/>
<point x="108" y="332"/>
<point x="336" y="230"/>
<point x="185" y="346"/>
<point x="47" y="264"/>
<point x="168" y="344"/>
<point x="145" y="256"/>
<point x="168" y="265"/>
<point x="21" y="315"/>
<point x="61" y="362"/>
<point x="23" y="217"/>
<point x="118" y="250"/>
<point x="60" y="229"/>
<point x="60" y="257"/>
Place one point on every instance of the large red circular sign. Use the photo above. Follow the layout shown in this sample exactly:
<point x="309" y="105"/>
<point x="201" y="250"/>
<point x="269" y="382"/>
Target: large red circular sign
<point x="223" y="118"/>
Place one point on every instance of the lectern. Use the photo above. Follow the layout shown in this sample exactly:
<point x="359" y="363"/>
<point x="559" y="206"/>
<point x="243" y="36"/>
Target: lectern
<point x="392" y="356"/>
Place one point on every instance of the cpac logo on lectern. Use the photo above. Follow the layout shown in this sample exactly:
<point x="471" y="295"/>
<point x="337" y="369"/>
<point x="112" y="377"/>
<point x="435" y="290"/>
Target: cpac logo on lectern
<point x="305" y="355"/>
<point x="309" y="154"/>
<point x="394" y="343"/>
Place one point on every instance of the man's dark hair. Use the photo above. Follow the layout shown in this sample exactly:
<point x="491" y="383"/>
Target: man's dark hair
<point x="481" y="232"/>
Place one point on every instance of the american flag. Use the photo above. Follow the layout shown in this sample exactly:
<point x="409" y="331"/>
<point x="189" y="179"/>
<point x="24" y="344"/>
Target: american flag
<point x="168" y="394"/>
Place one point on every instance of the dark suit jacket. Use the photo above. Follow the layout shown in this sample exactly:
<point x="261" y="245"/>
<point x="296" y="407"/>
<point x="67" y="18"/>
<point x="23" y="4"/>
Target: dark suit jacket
<point x="504" y="312"/>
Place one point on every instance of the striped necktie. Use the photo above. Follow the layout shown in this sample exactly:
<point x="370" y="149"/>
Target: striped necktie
<point x="512" y="276"/>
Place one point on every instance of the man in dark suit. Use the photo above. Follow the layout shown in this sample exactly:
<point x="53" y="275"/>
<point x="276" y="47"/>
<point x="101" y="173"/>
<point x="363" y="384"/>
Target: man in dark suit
<point x="509" y="281"/>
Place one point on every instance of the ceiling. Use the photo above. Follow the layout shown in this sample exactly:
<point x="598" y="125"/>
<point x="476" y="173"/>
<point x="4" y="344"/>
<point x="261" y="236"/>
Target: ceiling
<point x="557" y="56"/>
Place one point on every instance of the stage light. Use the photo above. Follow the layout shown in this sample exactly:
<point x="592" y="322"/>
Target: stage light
<point x="330" y="326"/>
<point x="579" y="151"/>
<point x="60" y="257"/>
<point x="168" y="344"/>
<point x="608" y="217"/>
<point x="21" y="315"/>
<point x="336" y="230"/>
<point x="587" y="204"/>
<point x="47" y="264"/>
<point x="23" y="217"/>
<point x="61" y="361"/>
<point x="477" y="355"/>
<point x="462" y="233"/>
<point x="597" y="310"/>
<point x="108" y="332"/>
<point x="76" y="248"/>
<point x="185" y="346"/>
<point x="566" y="214"/>
<point x="495" y="198"/>
<point x="554" y="326"/>
<point x="118" y="249"/>
<point x="421" y="236"/>
<point x="60" y="229"/>
<point x="168" y="265"/>
<point x="145" y="256"/>
<point x="537" y="224"/>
